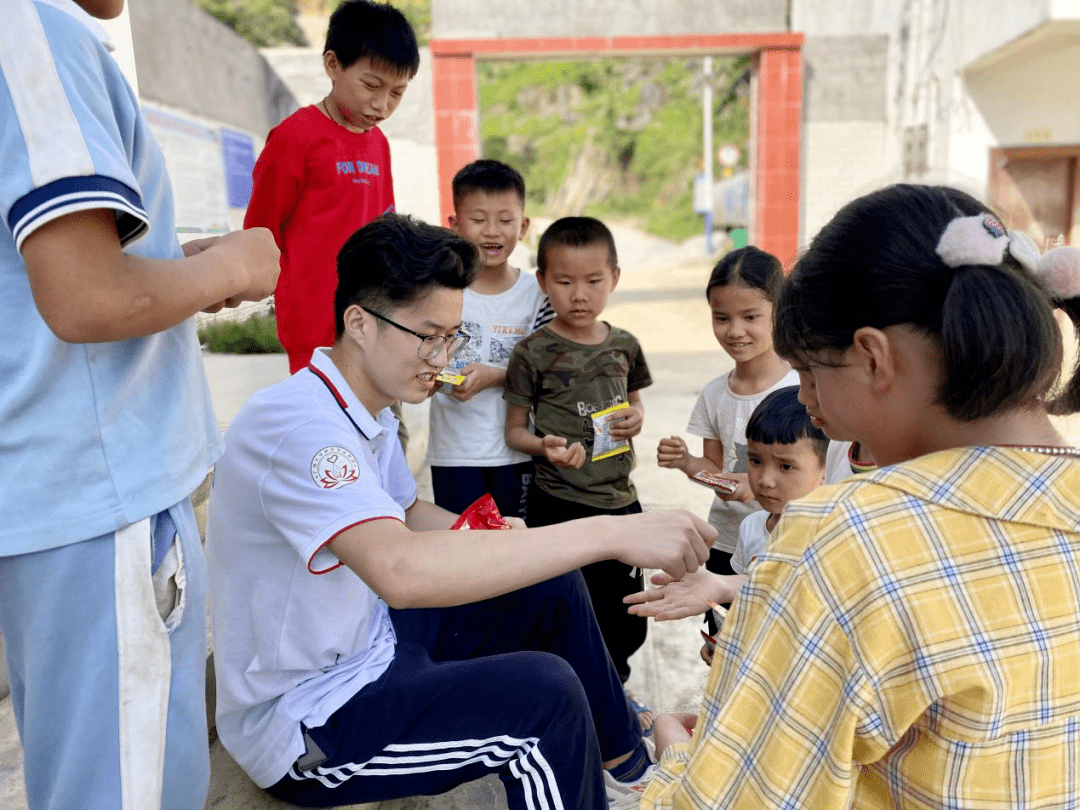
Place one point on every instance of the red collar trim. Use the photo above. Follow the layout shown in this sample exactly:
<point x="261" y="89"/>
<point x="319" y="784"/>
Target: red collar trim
<point x="333" y="388"/>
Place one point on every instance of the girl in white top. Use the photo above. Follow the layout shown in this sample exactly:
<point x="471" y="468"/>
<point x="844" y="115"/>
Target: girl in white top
<point x="741" y="291"/>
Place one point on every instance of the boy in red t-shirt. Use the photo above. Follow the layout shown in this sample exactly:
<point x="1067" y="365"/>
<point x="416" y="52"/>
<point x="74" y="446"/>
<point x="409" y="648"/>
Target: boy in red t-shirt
<point x="325" y="170"/>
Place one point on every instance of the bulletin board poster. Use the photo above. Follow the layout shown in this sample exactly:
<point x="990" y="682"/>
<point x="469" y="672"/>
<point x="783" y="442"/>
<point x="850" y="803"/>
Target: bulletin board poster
<point x="238" y="150"/>
<point x="193" y="156"/>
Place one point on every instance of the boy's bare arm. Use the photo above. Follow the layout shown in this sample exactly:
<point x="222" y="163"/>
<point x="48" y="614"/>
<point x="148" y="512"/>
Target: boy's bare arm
<point x="673" y="452"/>
<point x="442" y="568"/>
<point x="88" y="290"/>
<point x="518" y="435"/>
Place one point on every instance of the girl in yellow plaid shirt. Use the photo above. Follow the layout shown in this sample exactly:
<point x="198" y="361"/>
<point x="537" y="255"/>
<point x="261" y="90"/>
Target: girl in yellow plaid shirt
<point x="911" y="637"/>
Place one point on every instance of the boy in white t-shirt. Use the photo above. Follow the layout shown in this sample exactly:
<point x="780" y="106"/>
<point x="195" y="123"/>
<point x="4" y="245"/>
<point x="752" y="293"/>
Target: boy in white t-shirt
<point x="467" y="452"/>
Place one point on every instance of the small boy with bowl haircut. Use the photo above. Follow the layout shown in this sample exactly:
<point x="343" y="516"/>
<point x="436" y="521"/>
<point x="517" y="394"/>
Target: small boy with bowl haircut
<point x="579" y="378"/>
<point x="467" y="450"/>
<point x="325" y="170"/>
<point x="785" y="460"/>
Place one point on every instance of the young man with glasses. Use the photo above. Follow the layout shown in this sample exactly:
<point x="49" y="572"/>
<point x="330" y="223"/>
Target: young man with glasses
<point x="363" y="650"/>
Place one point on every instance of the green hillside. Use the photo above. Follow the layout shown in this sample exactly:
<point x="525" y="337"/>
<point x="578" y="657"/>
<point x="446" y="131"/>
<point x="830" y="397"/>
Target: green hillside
<point x="612" y="137"/>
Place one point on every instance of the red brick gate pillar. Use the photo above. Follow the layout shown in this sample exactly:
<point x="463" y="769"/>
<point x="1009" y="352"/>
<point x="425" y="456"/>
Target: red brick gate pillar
<point x="456" y="137"/>
<point x="777" y="137"/>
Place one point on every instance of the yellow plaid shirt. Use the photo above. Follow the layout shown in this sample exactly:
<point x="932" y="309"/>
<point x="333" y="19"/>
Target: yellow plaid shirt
<point x="910" y="639"/>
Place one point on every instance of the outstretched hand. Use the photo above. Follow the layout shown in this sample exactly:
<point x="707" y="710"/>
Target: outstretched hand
<point x="559" y="454"/>
<point x="252" y="251"/>
<point x="686" y="596"/>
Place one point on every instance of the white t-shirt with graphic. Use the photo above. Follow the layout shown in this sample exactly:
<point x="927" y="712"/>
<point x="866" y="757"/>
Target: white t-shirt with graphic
<point x="470" y="434"/>
<point x="722" y="414"/>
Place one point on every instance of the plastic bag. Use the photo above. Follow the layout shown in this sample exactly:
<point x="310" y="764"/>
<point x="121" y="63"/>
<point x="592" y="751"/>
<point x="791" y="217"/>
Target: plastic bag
<point x="481" y="514"/>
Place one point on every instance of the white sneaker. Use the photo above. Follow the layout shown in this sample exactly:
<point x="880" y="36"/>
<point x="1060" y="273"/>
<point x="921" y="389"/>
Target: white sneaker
<point x="627" y="795"/>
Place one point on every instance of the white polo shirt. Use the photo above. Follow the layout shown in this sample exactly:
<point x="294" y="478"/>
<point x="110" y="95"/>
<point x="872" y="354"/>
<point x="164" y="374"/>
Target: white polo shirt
<point x="296" y="633"/>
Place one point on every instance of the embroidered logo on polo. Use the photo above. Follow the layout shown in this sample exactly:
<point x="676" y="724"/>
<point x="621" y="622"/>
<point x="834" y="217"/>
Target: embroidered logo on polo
<point x="334" y="468"/>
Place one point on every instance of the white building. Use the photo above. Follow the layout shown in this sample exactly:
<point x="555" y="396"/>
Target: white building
<point x="980" y="94"/>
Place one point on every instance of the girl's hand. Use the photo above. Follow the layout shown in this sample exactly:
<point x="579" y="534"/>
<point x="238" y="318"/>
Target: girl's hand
<point x="672" y="452"/>
<point x="677" y="599"/>
<point x="556" y="451"/>
<point x="629" y="426"/>
<point x="672" y="728"/>
<point x="477" y="377"/>
<point x="743" y="494"/>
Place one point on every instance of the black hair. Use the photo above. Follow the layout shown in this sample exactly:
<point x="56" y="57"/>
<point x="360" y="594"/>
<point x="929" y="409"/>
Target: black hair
<point x="876" y="264"/>
<point x="781" y="419"/>
<point x="751" y="267"/>
<point x="576" y="232"/>
<point x="488" y="176"/>
<point x="377" y="31"/>
<point x="395" y="260"/>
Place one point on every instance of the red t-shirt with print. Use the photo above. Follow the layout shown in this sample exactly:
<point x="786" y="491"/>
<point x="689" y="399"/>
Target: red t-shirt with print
<point x="315" y="184"/>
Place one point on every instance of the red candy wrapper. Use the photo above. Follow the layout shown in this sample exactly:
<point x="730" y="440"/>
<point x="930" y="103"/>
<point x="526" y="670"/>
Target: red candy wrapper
<point x="717" y="482"/>
<point x="481" y="514"/>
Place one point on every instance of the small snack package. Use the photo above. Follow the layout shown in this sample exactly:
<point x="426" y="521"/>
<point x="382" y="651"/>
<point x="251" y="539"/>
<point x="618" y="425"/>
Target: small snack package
<point x="710" y="641"/>
<point x="716" y="482"/>
<point x="604" y="446"/>
<point x="450" y="378"/>
<point x="481" y="514"/>
<point x="719" y="613"/>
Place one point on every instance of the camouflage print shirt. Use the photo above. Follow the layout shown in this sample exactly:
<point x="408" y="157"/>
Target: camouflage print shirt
<point x="564" y="383"/>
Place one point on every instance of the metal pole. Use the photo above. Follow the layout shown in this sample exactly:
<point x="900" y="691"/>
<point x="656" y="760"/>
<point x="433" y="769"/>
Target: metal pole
<point x="707" y="149"/>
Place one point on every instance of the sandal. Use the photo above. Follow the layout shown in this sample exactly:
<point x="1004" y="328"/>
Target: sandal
<point x="644" y="714"/>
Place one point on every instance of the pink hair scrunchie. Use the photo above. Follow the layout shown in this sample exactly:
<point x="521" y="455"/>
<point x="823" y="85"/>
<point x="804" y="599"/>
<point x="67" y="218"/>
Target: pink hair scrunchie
<point x="980" y="239"/>
<point x="1059" y="273"/>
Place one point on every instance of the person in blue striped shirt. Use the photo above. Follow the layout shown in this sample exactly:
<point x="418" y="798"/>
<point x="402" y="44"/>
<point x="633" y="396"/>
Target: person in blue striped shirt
<point x="108" y="424"/>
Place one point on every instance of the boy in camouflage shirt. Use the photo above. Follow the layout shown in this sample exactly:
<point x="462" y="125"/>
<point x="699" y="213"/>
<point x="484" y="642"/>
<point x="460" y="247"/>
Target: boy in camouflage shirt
<point x="579" y="378"/>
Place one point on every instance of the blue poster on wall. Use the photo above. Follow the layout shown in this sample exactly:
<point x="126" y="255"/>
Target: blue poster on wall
<point x="239" y="152"/>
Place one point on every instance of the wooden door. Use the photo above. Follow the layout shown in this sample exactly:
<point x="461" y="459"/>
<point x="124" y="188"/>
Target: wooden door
<point x="1036" y="190"/>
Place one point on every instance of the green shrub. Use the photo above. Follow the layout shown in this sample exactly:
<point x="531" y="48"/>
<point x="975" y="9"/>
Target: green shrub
<point x="260" y="22"/>
<point x="256" y="335"/>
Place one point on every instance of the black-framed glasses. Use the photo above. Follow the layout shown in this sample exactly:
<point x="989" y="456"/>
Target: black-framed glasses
<point x="430" y="345"/>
